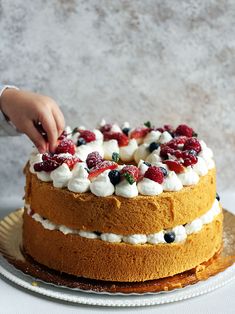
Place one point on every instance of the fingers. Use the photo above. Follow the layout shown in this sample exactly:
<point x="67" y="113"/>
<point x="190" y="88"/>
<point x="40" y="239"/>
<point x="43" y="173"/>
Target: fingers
<point x="49" y="125"/>
<point x="31" y="131"/>
<point x="59" y="120"/>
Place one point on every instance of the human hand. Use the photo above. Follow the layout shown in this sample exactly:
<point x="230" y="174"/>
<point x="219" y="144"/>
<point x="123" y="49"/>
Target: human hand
<point x="25" y="110"/>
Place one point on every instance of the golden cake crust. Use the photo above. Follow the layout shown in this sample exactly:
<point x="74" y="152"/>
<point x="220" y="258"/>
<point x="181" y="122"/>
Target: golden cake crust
<point x="116" y="214"/>
<point x="96" y="259"/>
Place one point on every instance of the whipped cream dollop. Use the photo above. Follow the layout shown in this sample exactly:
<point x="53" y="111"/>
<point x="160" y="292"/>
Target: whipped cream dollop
<point x="207" y="154"/>
<point x="141" y="152"/>
<point x="181" y="232"/>
<point x="189" y="177"/>
<point x="142" y="167"/>
<point x="127" y="152"/>
<point x="61" y="176"/>
<point x="200" y="167"/>
<point x="101" y="185"/>
<point x="152" y="136"/>
<point x="154" y="157"/>
<point x="149" y="187"/>
<point x="172" y="182"/>
<point x="44" y="176"/>
<point x="126" y="189"/>
<point x="165" y="137"/>
<point x="79" y="183"/>
<point x="109" y="148"/>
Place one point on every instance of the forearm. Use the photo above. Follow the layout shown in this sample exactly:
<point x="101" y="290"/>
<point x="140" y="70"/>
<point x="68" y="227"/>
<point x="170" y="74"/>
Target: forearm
<point x="6" y="127"/>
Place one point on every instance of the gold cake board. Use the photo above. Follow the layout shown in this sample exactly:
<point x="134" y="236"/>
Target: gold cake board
<point x="11" y="249"/>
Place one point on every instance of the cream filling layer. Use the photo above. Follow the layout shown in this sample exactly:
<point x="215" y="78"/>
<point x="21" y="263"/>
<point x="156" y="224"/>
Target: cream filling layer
<point x="180" y="232"/>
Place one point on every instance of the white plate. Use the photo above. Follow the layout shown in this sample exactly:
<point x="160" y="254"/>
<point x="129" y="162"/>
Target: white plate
<point x="74" y="296"/>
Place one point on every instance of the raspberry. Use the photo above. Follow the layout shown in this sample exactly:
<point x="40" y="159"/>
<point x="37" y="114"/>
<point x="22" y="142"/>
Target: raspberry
<point x="66" y="146"/>
<point x="46" y="156"/>
<point x="38" y="166"/>
<point x="154" y="173"/>
<point x="101" y="167"/>
<point x="87" y="135"/>
<point x="106" y="128"/>
<point x="185" y="130"/>
<point x="189" y="158"/>
<point x="175" y="142"/>
<point x="50" y="165"/>
<point x="174" y="165"/>
<point x="131" y="173"/>
<point x="165" y="150"/>
<point x="192" y="144"/>
<point x="139" y="132"/>
<point x="93" y="159"/>
<point x="70" y="161"/>
<point x="120" y="137"/>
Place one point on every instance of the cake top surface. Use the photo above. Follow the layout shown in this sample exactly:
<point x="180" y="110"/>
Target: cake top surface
<point x="125" y="161"/>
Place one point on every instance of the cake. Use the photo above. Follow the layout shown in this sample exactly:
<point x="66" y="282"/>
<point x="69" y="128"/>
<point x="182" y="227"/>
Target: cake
<point x="123" y="204"/>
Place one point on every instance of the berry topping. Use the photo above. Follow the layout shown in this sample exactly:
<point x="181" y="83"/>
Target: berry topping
<point x="81" y="141"/>
<point x="66" y="146"/>
<point x="101" y="167"/>
<point x="120" y="137"/>
<point x="63" y="135"/>
<point x="114" y="176"/>
<point x="126" y="131"/>
<point x="87" y="135"/>
<point x="139" y="132"/>
<point x="131" y="173"/>
<point x="47" y="165"/>
<point x="154" y="173"/>
<point x="185" y="130"/>
<point x="176" y="142"/>
<point x="153" y="146"/>
<point x="217" y="197"/>
<point x="106" y="128"/>
<point x="192" y="143"/>
<point x="189" y="157"/>
<point x="174" y="165"/>
<point x="69" y="160"/>
<point x="165" y="150"/>
<point x="93" y="159"/>
<point x="115" y="157"/>
<point x="169" y="237"/>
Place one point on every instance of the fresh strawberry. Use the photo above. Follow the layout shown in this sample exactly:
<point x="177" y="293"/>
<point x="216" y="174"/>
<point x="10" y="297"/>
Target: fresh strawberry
<point x="87" y="135"/>
<point x="185" y="130"/>
<point x="93" y="159"/>
<point x="174" y="165"/>
<point x="139" y="132"/>
<point x="131" y="173"/>
<point x="192" y="144"/>
<point x="177" y="141"/>
<point x="120" y="137"/>
<point x="106" y="128"/>
<point x="154" y="173"/>
<point x="101" y="167"/>
<point x="66" y="146"/>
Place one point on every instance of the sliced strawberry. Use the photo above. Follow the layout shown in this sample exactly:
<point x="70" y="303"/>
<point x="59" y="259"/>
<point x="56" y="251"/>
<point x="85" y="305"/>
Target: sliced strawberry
<point x="70" y="161"/>
<point x="139" y="132"/>
<point x="174" y="165"/>
<point x="131" y="173"/>
<point x="101" y="167"/>
<point x="66" y="146"/>
<point x="120" y="137"/>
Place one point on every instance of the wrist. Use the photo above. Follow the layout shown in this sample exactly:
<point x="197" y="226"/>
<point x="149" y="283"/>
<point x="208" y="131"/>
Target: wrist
<point x="5" y="91"/>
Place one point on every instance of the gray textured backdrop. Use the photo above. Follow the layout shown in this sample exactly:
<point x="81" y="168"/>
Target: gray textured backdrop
<point x="164" y="61"/>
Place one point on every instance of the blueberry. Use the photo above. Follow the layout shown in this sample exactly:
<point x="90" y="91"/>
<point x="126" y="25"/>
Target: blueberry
<point x="114" y="176"/>
<point x="81" y="141"/>
<point x="164" y="171"/>
<point x="147" y="163"/>
<point x="192" y="152"/>
<point x="217" y="197"/>
<point x="153" y="146"/>
<point x="98" y="233"/>
<point x="169" y="237"/>
<point x="126" y="131"/>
